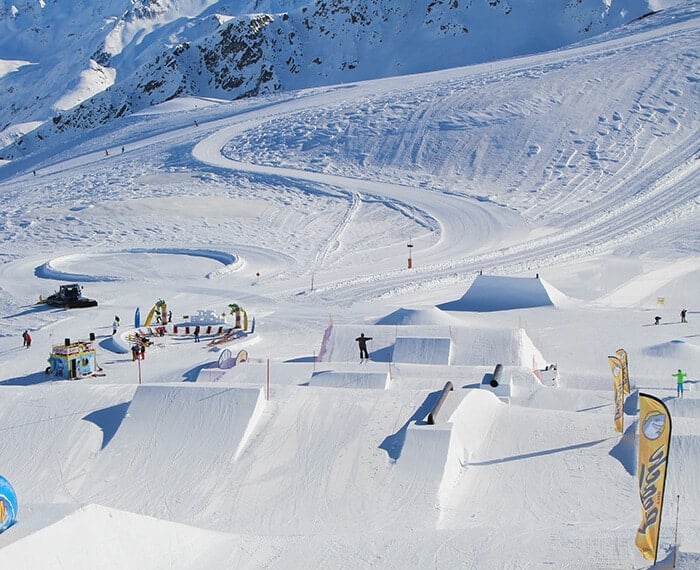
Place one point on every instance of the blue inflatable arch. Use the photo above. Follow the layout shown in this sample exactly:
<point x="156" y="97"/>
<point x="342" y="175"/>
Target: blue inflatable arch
<point x="8" y="504"/>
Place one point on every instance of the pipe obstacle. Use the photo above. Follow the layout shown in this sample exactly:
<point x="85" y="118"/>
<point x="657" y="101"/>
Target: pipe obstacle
<point x="441" y="400"/>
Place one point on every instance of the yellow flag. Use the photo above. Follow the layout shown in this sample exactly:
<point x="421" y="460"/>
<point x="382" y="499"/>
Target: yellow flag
<point x="654" y="442"/>
<point x="616" y="369"/>
<point x="622" y="355"/>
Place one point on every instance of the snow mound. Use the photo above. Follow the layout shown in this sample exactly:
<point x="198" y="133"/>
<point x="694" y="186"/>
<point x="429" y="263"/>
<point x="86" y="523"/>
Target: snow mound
<point x="425" y="316"/>
<point x="672" y="348"/>
<point x="498" y="293"/>
<point x="435" y="344"/>
<point x="203" y="424"/>
<point x="111" y="539"/>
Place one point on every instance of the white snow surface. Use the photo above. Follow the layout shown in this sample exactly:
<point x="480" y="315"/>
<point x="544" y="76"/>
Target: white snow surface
<point x="563" y="188"/>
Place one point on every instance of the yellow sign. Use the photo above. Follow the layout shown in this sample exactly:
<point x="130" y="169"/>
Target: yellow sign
<point x="654" y="442"/>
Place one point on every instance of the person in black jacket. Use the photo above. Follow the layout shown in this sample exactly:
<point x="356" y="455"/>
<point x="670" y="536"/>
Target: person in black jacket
<point x="362" y="342"/>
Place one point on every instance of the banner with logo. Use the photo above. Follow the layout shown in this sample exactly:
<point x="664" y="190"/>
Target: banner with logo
<point x="654" y="442"/>
<point x="621" y="353"/>
<point x="616" y="369"/>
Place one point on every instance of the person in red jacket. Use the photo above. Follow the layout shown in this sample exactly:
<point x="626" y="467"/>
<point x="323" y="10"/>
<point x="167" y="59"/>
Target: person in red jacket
<point x="27" y="339"/>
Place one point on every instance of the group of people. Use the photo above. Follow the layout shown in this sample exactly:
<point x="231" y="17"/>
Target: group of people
<point x="684" y="312"/>
<point x="138" y="350"/>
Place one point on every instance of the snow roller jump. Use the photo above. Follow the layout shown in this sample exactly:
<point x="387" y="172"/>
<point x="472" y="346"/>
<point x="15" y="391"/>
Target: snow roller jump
<point x="8" y="504"/>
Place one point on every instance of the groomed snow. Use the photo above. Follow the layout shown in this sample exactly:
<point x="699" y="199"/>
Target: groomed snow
<point x="563" y="188"/>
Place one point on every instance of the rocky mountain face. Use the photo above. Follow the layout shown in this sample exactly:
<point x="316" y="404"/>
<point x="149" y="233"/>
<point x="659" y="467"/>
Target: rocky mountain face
<point x="68" y="65"/>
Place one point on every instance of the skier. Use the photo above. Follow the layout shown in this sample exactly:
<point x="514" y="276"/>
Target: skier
<point x="117" y="320"/>
<point x="196" y="333"/>
<point x="28" y="339"/>
<point x="115" y="325"/>
<point x="362" y="342"/>
<point x="657" y="320"/>
<point x="683" y="312"/>
<point x="679" y="376"/>
<point x="24" y="338"/>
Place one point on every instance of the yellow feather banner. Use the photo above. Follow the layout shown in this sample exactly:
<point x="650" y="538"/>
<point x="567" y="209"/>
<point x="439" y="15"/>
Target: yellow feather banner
<point x="654" y="442"/>
<point x="616" y="369"/>
<point x="622" y="355"/>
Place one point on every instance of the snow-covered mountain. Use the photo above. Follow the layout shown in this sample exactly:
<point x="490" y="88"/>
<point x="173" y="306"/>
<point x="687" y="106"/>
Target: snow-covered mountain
<point x="498" y="230"/>
<point x="67" y="65"/>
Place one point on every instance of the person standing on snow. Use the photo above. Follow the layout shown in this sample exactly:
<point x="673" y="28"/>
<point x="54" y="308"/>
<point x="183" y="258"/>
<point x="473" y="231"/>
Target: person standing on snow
<point x="27" y="339"/>
<point x="679" y="376"/>
<point x="683" y="312"/>
<point x="196" y="333"/>
<point x="362" y="342"/>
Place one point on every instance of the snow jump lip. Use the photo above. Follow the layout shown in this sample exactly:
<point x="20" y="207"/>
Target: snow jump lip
<point x="50" y="270"/>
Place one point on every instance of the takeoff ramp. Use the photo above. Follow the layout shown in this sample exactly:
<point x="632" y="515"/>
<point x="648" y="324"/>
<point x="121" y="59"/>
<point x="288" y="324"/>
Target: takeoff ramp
<point x="176" y="443"/>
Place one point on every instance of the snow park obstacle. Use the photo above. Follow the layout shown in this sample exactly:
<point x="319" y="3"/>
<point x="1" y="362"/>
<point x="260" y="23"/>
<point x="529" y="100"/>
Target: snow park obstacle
<point x="441" y="400"/>
<point x="496" y="376"/>
<point x="159" y="311"/>
<point x="8" y="504"/>
<point x="241" y="316"/>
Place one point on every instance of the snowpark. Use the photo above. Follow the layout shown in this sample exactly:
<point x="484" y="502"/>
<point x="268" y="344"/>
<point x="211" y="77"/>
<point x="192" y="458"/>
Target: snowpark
<point x="552" y="207"/>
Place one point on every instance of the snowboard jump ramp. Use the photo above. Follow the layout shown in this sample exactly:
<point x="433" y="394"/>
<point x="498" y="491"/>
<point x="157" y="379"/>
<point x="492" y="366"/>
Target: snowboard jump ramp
<point x="204" y="426"/>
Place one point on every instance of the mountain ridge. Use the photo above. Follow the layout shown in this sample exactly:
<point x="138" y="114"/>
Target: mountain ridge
<point x="120" y="57"/>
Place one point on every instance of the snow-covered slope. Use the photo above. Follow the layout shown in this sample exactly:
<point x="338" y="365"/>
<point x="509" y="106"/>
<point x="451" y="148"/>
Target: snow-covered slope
<point x="563" y="184"/>
<point x="73" y="66"/>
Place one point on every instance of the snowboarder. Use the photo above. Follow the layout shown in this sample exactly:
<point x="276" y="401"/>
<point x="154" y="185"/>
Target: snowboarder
<point x="27" y="339"/>
<point x="362" y="342"/>
<point x="196" y="333"/>
<point x="679" y="376"/>
<point x="683" y="312"/>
